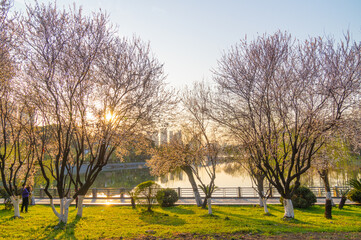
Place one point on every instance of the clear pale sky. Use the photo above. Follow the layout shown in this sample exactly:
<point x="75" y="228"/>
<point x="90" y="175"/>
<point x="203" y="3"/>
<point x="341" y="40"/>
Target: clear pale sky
<point x="188" y="36"/>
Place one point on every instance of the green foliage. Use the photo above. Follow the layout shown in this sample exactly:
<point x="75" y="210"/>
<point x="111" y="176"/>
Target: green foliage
<point x="145" y="188"/>
<point x="167" y="197"/>
<point x="148" y="191"/>
<point x="354" y="195"/>
<point x="7" y="201"/>
<point x="303" y="197"/>
<point x="356" y="184"/>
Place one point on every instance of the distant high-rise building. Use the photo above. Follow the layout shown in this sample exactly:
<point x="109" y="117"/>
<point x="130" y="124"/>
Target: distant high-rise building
<point x="155" y="138"/>
<point x="163" y="136"/>
<point x="178" y="135"/>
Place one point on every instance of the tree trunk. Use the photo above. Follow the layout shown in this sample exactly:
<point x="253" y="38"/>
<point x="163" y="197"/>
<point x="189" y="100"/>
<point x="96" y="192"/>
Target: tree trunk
<point x="197" y="196"/>
<point x="80" y="200"/>
<point x="204" y="204"/>
<point x="328" y="209"/>
<point x="264" y="203"/>
<point x="260" y="200"/>
<point x="16" y="203"/>
<point x="324" y="177"/>
<point x="64" y="209"/>
<point x="260" y="189"/>
<point x="53" y="207"/>
<point x="67" y="203"/>
<point x="288" y="206"/>
<point x="132" y="201"/>
<point x="342" y="202"/>
<point x="209" y="200"/>
<point x="329" y="203"/>
<point x="329" y="196"/>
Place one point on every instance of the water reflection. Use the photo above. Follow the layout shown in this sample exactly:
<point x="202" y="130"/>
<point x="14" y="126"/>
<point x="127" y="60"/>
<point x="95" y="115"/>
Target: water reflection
<point x="123" y="178"/>
<point x="226" y="176"/>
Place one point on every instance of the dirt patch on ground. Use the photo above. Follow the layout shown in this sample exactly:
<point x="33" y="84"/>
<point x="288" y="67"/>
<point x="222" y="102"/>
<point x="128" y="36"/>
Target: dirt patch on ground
<point x="243" y="236"/>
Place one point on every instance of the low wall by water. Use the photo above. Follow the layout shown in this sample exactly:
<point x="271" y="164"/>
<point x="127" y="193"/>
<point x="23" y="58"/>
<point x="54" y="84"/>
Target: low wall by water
<point x="184" y="193"/>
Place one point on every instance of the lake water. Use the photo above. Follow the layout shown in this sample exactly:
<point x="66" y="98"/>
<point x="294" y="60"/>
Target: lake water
<point x="225" y="177"/>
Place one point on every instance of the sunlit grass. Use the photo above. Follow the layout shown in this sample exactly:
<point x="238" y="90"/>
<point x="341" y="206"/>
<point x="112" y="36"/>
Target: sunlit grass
<point x="111" y="221"/>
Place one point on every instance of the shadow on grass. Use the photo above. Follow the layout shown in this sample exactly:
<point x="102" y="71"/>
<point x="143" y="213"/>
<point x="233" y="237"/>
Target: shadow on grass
<point x="319" y="210"/>
<point x="8" y="215"/>
<point x="160" y="218"/>
<point x="61" y="231"/>
<point x="276" y="208"/>
<point x="269" y="214"/>
<point x="346" y="211"/>
<point x="210" y="216"/>
<point x="178" y="210"/>
<point x="295" y="221"/>
<point x="262" y="219"/>
<point x="315" y="209"/>
<point x="6" y="211"/>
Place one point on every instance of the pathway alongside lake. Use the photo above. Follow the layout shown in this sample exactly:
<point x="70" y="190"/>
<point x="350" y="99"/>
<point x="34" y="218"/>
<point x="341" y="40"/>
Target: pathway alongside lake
<point x="215" y="201"/>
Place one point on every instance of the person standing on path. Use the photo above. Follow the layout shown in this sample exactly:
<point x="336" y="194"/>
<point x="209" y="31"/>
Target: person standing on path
<point x="25" y="195"/>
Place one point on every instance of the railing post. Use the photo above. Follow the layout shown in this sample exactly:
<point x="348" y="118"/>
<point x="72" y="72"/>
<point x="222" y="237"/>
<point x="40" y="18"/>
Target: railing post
<point x="94" y="192"/>
<point x="122" y="193"/>
<point x="108" y="193"/>
<point x="54" y="192"/>
<point x="335" y="194"/>
<point x="319" y="192"/>
<point x="179" y="192"/>
<point x="239" y="192"/>
<point x="271" y="192"/>
<point x="41" y="192"/>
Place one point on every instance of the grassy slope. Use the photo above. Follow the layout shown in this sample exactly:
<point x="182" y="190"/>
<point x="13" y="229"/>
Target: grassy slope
<point x="117" y="221"/>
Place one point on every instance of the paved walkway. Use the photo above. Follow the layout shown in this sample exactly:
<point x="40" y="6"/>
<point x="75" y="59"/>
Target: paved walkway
<point x="215" y="201"/>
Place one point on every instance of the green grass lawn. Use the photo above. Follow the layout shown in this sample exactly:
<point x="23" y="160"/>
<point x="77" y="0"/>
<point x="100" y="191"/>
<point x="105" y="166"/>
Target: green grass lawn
<point x="123" y="221"/>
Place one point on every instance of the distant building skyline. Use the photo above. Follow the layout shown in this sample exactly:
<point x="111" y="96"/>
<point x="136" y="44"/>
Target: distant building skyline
<point x="164" y="136"/>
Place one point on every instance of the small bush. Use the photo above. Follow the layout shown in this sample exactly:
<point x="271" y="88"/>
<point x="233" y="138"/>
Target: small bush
<point x="356" y="184"/>
<point x="354" y="195"/>
<point x="146" y="190"/>
<point x="167" y="197"/>
<point x="7" y="201"/>
<point x="303" y="197"/>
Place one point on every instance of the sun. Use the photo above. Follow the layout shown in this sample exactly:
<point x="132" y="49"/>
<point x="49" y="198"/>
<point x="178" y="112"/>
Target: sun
<point x="109" y="116"/>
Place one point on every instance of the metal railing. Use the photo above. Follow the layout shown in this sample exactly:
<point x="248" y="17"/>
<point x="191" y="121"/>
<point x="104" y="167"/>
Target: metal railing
<point x="183" y="193"/>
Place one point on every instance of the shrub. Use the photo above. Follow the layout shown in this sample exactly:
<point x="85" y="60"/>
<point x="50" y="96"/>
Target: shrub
<point x="146" y="190"/>
<point x="167" y="197"/>
<point x="356" y="184"/>
<point x="7" y="201"/>
<point x="303" y="197"/>
<point x="354" y="195"/>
